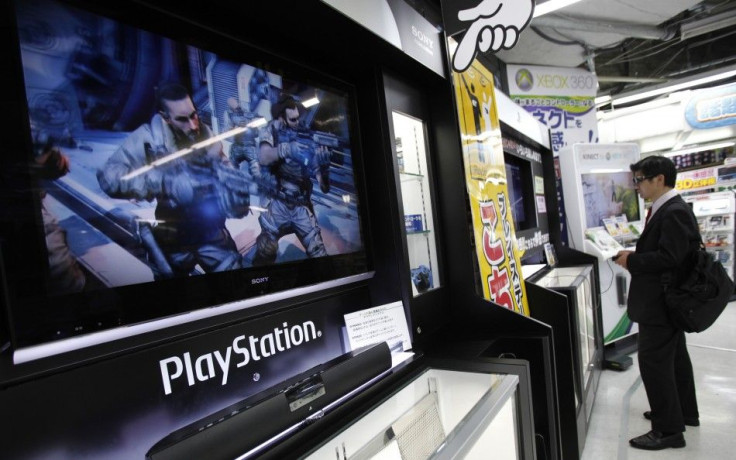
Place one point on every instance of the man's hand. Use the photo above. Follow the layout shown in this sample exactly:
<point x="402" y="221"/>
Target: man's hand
<point x="294" y="151"/>
<point x="322" y="156"/>
<point x="55" y="163"/>
<point x="622" y="259"/>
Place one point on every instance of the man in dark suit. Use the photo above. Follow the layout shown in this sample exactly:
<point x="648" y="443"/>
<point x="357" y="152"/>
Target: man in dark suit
<point x="669" y="237"/>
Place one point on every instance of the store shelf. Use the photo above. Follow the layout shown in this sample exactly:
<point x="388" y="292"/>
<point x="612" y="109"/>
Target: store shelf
<point x="715" y="214"/>
<point x="416" y="198"/>
<point x="411" y="176"/>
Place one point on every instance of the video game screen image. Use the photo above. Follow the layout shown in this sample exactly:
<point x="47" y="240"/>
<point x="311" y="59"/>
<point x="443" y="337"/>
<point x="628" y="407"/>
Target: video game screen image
<point x="157" y="162"/>
<point x="608" y="194"/>
<point x="521" y="192"/>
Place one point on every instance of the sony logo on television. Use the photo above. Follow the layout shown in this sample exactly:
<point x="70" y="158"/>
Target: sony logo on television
<point x="260" y="280"/>
<point x="200" y="368"/>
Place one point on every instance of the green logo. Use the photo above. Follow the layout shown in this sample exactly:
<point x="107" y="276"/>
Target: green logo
<point x="524" y="79"/>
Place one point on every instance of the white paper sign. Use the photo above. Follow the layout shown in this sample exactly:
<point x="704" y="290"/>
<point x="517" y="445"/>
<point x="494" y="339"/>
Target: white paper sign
<point x="385" y="323"/>
<point x="541" y="204"/>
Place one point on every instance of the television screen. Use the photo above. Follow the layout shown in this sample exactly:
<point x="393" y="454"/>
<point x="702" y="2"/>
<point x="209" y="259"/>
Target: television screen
<point x="165" y="178"/>
<point x="520" y="185"/>
<point x="525" y="178"/>
<point x="609" y="194"/>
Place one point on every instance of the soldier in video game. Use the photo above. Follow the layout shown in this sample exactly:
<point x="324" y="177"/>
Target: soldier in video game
<point x="195" y="190"/>
<point x="65" y="274"/>
<point x="259" y="88"/>
<point x="288" y="157"/>
<point x="242" y="152"/>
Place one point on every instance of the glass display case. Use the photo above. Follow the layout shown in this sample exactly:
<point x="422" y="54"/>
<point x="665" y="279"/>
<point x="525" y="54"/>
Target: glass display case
<point x="411" y="164"/>
<point x="438" y="414"/>
<point x="576" y="283"/>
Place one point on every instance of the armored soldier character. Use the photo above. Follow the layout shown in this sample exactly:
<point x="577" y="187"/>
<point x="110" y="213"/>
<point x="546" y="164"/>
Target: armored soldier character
<point x="243" y="149"/>
<point x="291" y="161"/>
<point x="193" y="197"/>
<point x="65" y="274"/>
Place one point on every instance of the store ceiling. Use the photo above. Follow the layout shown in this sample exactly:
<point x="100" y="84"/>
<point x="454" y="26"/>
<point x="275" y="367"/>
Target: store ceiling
<point x="632" y="44"/>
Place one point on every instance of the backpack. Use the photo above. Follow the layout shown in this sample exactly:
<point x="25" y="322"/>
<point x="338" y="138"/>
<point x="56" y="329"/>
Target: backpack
<point x="697" y="300"/>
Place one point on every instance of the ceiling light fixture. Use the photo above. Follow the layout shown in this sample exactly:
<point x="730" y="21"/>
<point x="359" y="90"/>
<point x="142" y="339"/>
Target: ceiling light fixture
<point x="550" y="6"/>
<point x="605" y="99"/>
<point x="707" y="25"/>
<point x="677" y="85"/>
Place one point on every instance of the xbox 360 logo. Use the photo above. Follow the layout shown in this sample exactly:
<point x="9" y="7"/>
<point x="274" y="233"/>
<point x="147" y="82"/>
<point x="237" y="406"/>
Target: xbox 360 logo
<point x="524" y="79"/>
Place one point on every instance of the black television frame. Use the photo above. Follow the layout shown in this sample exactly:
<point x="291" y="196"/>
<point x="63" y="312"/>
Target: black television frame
<point x="535" y="161"/>
<point x="210" y="300"/>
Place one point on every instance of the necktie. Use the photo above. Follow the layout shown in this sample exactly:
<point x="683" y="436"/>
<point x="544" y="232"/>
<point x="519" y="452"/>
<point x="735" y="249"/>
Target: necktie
<point x="649" y="214"/>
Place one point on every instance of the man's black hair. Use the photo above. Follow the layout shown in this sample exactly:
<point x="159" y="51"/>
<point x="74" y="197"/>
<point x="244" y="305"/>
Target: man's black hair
<point x="655" y="165"/>
<point x="284" y="102"/>
<point x="170" y="92"/>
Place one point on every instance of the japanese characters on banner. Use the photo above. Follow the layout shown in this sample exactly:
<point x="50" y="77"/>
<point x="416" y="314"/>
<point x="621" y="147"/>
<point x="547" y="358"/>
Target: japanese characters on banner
<point x="562" y="98"/>
<point x="696" y="179"/>
<point x="485" y="178"/>
<point x="712" y="107"/>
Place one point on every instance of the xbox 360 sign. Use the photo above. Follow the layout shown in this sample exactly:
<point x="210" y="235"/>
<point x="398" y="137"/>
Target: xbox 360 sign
<point x="561" y="98"/>
<point x="546" y="78"/>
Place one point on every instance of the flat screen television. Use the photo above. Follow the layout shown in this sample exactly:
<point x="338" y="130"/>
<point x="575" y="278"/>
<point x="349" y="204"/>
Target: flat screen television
<point x="520" y="185"/>
<point x="525" y="182"/>
<point x="158" y="182"/>
<point x="609" y="194"/>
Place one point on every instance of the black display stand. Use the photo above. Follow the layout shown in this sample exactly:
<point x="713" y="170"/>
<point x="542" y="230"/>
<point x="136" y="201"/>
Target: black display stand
<point x="127" y="411"/>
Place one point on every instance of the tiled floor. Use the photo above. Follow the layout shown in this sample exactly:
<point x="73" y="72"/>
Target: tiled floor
<point x="620" y="401"/>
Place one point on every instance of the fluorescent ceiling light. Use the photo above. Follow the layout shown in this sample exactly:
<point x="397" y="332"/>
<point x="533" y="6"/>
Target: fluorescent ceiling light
<point x="677" y="85"/>
<point x="606" y="170"/>
<point x="707" y="25"/>
<point x="700" y="148"/>
<point x="600" y="100"/>
<point x="550" y="6"/>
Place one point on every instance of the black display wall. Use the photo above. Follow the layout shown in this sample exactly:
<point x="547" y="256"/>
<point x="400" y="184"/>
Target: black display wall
<point x="113" y="400"/>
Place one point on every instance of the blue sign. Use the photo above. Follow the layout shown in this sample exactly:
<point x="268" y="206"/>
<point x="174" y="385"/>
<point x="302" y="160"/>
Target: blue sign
<point x="712" y="108"/>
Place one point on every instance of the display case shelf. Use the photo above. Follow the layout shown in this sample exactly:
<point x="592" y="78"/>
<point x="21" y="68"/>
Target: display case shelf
<point x="412" y="168"/>
<point x="410" y="176"/>
<point x="715" y="214"/>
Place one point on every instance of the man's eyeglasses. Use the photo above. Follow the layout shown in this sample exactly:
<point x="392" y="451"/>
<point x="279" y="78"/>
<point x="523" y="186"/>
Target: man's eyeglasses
<point x="186" y="118"/>
<point x="639" y="179"/>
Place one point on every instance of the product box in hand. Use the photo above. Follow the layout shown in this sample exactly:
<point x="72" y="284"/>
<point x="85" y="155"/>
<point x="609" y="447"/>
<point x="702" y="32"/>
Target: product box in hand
<point x="413" y="223"/>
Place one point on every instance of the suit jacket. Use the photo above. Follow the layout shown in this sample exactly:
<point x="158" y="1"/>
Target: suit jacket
<point x="663" y="249"/>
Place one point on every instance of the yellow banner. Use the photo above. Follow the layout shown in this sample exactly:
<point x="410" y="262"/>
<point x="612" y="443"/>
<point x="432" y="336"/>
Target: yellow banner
<point x="485" y="178"/>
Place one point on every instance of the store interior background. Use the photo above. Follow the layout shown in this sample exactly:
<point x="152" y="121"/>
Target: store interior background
<point x="639" y="51"/>
<point x="631" y="46"/>
<point x="643" y="48"/>
<point x="635" y="48"/>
